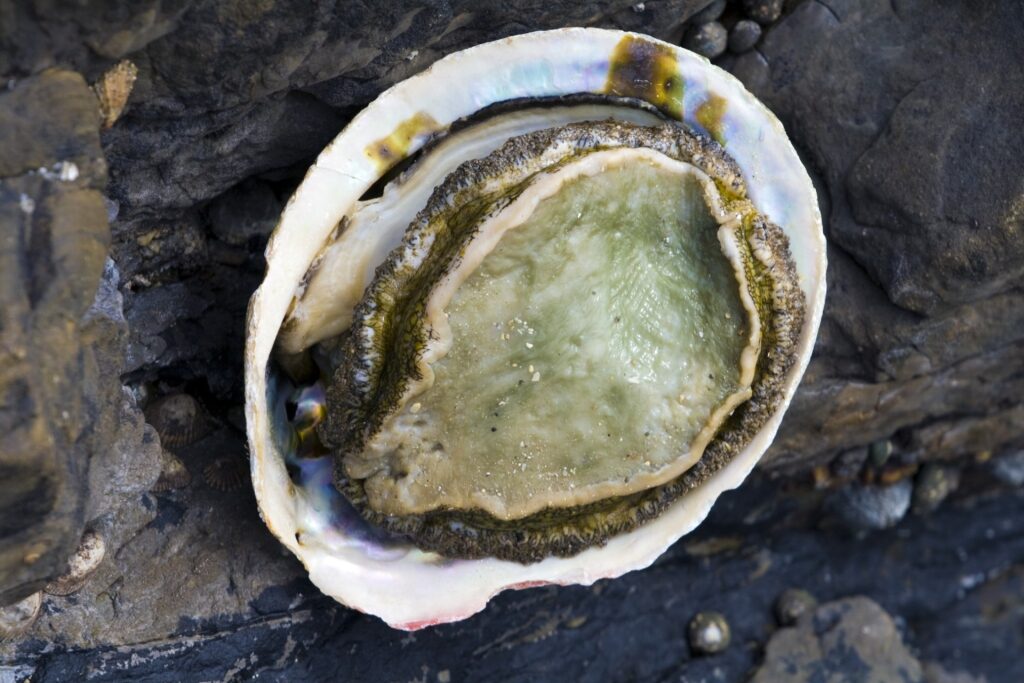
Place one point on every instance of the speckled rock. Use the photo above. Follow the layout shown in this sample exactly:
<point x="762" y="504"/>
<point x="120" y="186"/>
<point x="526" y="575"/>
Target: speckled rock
<point x="846" y="640"/>
<point x="52" y="386"/>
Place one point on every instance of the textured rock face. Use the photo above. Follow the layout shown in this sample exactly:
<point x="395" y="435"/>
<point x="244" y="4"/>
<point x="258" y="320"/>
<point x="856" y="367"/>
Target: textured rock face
<point x="920" y="184"/>
<point x="907" y="114"/>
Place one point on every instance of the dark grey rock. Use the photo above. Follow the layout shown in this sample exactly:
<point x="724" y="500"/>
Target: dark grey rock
<point x="744" y="36"/>
<point x="884" y="364"/>
<point x="711" y="12"/>
<point x="850" y="639"/>
<point x="247" y="211"/>
<point x="707" y="39"/>
<point x="763" y="11"/>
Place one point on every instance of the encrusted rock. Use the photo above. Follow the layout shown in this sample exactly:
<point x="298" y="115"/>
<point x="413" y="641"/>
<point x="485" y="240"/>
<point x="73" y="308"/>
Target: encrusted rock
<point x="55" y="389"/>
<point x="17" y="618"/>
<point x="850" y="637"/>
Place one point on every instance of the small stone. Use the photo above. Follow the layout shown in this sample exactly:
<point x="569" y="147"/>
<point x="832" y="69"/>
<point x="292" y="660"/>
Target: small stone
<point x="82" y="564"/>
<point x="763" y="11"/>
<point x="879" y="452"/>
<point x="707" y="39"/>
<point x="792" y="604"/>
<point x="710" y="12"/>
<point x="17" y="618"/>
<point x="864" y="508"/>
<point x="708" y="633"/>
<point x="1009" y="469"/>
<point x="744" y="36"/>
<point x="933" y="484"/>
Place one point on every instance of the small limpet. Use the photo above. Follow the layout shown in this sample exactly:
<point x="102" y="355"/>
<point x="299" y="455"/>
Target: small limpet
<point x="81" y="566"/>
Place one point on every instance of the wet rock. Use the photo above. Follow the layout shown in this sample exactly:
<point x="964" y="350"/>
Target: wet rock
<point x="744" y="36"/>
<point x="849" y="639"/>
<point x="865" y="508"/>
<point x="708" y="40"/>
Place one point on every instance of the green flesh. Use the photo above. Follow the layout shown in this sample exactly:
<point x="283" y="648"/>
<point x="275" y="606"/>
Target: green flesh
<point x="591" y="345"/>
<point x="373" y="367"/>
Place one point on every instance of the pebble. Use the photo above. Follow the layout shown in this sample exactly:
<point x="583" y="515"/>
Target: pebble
<point x="933" y="484"/>
<point x="708" y="633"/>
<point x="792" y="604"/>
<point x="1009" y="468"/>
<point x="17" y="618"/>
<point x="879" y="452"/>
<point x="763" y="11"/>
<point x="709" y="13"/>
<point x="863" y="508"/>
<point x="81" y="566"/>
<point x="707" y="39"/>
<point x="744" y="36"/>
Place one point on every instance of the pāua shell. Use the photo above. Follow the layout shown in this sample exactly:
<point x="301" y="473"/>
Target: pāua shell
<point x="382" y="575"/>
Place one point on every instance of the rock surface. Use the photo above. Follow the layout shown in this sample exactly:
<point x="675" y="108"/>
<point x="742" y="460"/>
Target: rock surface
<point x="65" y="450"/>
<point x="906" y="113"/>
